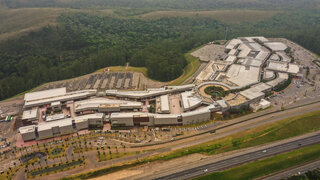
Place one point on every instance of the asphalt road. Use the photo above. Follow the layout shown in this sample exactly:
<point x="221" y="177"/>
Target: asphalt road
<point x="245" y="158"/>
<point x="294" y="171"/>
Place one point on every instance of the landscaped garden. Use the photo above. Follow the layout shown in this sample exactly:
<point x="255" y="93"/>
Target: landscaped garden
<point x="216" y="92"/>
<point x="105" y="156"/>
<point x="56" y="151"/>
<point x="56" y="168"/>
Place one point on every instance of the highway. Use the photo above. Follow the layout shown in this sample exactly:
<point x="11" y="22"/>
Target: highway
<point x="245" y="158"/>
<point x="293" y="171"/>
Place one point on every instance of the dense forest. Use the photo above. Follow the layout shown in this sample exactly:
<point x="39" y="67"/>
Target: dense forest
<point x="82" y="43"/>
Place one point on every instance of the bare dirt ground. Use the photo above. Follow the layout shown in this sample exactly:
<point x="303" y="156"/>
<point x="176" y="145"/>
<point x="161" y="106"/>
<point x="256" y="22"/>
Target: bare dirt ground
<point x="175" y="107"/>
<point x="148" y="169"/>
<point x="210" y="52"/>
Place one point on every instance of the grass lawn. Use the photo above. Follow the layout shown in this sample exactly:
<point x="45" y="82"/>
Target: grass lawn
<point x="268" y="165"/>
<point x="55" y="152"/>
<point x="143" y="70"/>
<point x="189" y="70"/>
<point x="271" y="132"/>
<point x="55" y="168"/>
<point x="107" y="156"/>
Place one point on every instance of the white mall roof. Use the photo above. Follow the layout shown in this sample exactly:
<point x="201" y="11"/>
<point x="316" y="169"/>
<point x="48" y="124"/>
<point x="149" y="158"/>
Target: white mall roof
<point x="90" y="116"/>
<point x="261" y="87"/>
<point x="96" y="102"/>
<point x="264" y="102"/>
<point x="165" y="116"/>
<point x="233" y="52"/>
<point x="59" y="123"/>
<point x="231" y="59"/>
<point x="27" y="129"/>
<point x="222" y="103"/>
<point x="281" y="77"/>
<point x="260" y="38"/>
<point x="250" y="62"/>
<point x="189" y="100"/>
<point x="128" y="114"/>
<point x="55" y="117"/>
<point x="242" y="75"/>
<point x="196" y="112"/>
<point x="283" y="67"/>
<point x="276" y="46"/>
<point x="269" y="74"/>
<point x="150" y="92"/>
<point x="252" y="93"/>
<point x="284" y="56"/>
<point x="232" y="43"/>
<point x="45" y="94"/>
<point x="164" y="102"/>
<point x="30" y="114"/>
<point x="57" y="103"/>
<point x="66" y="97"/>
<point x="293" y="68"/>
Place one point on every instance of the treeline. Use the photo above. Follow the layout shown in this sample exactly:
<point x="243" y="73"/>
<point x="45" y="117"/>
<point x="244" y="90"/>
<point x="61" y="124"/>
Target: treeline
<point x="302" y="27"/>
<point x="170" y="4"/>
<point x="83" y="43"/>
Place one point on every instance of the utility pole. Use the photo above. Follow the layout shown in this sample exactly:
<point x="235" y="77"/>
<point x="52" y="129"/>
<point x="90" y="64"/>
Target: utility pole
<point x="226" y="34"/>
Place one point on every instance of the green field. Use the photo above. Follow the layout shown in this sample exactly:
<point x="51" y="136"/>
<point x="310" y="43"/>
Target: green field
<point x="283" y="129"/>
<point x="107" y="156"/>
<point x="268" y="165"/>
<point x="143" y="70"/>
<point x="189" y="70"/>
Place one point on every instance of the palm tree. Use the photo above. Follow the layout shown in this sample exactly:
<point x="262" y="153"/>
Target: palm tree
<point x="40" y="163"/>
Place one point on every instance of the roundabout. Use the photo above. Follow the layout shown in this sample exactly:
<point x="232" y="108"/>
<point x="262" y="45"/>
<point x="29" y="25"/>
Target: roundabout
<point x="215" y="91"/>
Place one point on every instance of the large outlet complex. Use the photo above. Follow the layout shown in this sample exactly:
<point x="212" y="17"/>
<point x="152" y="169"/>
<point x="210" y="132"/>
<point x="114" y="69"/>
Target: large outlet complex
<point x="250" y="68"/>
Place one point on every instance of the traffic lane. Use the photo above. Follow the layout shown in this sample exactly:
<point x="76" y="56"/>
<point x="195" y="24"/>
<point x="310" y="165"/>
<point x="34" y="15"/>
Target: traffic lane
<point x="204" y="169"/>
<point x="290" y="172"/>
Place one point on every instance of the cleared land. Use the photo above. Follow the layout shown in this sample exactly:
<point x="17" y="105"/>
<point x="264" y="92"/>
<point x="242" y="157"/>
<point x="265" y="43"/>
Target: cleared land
<point x="268" y="165"/>
<point x="143" y="70"/>
<point x="18" y="21"/>
<point x="228" y="16"/>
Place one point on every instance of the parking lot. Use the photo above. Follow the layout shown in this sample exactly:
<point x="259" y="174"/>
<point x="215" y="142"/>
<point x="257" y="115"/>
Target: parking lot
<point x="106" y="80"/>
<point x="308" y="86"/>
<point x="102" y="81"/>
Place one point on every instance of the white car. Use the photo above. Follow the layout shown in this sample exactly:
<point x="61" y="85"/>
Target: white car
<point x="264" y="151"/>
<point x="206" y="170"/>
